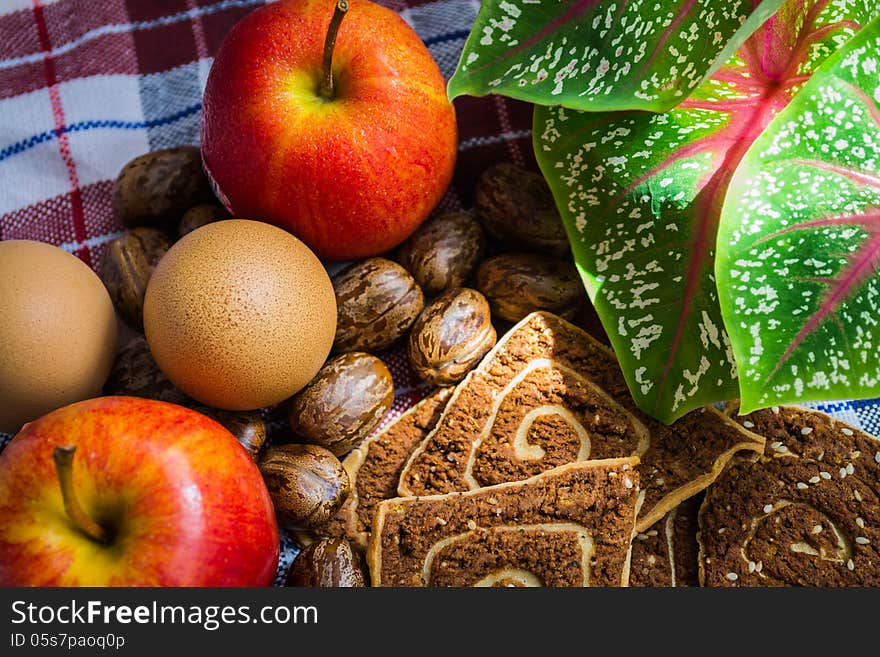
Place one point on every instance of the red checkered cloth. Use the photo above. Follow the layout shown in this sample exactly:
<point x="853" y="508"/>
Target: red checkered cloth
<point x="86" y="85"/>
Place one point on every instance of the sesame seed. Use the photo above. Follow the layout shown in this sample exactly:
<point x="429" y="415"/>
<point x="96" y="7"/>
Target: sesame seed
<point x="721" y="530"/>
<point x="441" y="521"/>
<point x="782" y="449"/>
<point x="860" y="522"/>
<point x="850" y="469"/>
<point x="768" y="508"/>
<point x="815" y="480"/>
<point x="843" y="473"/>
<point x="850" y="565"/>
<point x="817" y="529"/>
<point x="801" y="485"/>
<point x="759" y="567"/>
<point x="627" y="482"/>
<point x="857" y="494"/>
<point x="471" y="525"/>
<point x="652" y="532"/>
<point x="821" y="455"/>
<point x="775" y="444"/>
<point x="497" y="510"/>
<point x="732" y="577"/>
<point x="877" y="457"/>
<point x="752" y="566"/>
<point x="861" y="540"/>
<point x="846" y="432"/>
<point x="642" y="537"/>
<point x="806" y="431"/>
<point x="825" y="475"/>
<point x="775" y="410"/>
<point x="749" y="425"/>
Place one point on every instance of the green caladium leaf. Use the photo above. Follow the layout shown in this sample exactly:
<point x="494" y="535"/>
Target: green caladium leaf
<point x="641" y="196"/>
<point x="799" y="243"/>
<point x="602" y="55"/>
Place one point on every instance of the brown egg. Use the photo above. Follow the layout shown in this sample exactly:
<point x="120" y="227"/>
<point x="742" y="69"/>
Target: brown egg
<point x="57" y="331"/>
<point x="240" y="314"/>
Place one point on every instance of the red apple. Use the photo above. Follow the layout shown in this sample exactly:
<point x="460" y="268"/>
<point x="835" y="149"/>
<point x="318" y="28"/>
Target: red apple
<point x="153" y="495"/>
<point x="351" y="167"/>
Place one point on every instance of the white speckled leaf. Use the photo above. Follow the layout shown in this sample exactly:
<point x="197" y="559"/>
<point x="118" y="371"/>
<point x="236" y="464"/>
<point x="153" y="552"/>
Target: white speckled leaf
<point x="641" y="195"/>
<point x="800" y="241"/>
<point x="602" y="54"/>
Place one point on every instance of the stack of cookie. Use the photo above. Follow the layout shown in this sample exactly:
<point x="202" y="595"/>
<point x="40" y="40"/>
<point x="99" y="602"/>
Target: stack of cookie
<point x="538" y="469"/>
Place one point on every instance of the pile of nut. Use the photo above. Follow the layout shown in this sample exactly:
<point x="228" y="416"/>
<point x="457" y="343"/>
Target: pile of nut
<point x="438" y="294"/>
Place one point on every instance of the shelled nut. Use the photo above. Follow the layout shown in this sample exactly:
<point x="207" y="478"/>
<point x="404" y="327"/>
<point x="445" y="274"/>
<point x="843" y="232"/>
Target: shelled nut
<point x="158" y="187"/>
<point x="443" y="252"/>
<point x="451" y="336"/>
<point x="126" y="269"/>
<point x="307" y="484"/>
<point x="517" y="284"/>
<point x="517" y="206"/>
<point x="377" y="301"/>
<point x="330" y="562"/>
<point x="343" y="403"/>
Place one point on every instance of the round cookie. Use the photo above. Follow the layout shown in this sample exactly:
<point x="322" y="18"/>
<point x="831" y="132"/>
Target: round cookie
<point x="806" y="514"/>
<point x="789" y="522"/>
<point x="809" y="514"/>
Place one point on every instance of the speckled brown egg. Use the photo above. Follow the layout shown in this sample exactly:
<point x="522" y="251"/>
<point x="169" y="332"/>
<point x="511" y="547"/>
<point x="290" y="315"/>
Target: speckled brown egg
<point x="57" y="331"/>
<point x="240" y="314"/>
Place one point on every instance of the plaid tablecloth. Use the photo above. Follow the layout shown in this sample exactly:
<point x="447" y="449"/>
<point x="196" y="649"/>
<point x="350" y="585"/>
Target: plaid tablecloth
<point x="86" y="85"/>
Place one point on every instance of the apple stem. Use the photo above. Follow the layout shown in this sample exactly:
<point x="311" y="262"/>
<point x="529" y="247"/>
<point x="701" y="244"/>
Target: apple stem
<point x="63" y="457"/>
<point x="326" y="90"/>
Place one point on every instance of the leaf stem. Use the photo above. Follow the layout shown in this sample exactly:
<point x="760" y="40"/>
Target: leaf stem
<point x="63" y="457"/>
<point x="326" y="89"/>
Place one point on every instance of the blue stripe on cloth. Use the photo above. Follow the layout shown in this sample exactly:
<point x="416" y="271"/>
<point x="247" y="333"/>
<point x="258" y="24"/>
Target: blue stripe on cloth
<point x="35" y="140"/>
<point x="445" y="38"/>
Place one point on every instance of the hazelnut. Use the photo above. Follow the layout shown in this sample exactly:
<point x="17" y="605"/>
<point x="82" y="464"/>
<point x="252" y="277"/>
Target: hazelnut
<point x="377" y="301"/>
<point x="126" y="269"/>
<point x="307" y="484"/>
<point x="329" y="562"/>
<point x="451" y="336"/>
<point x="343" y="403"/>
<point x="443" y="252"/>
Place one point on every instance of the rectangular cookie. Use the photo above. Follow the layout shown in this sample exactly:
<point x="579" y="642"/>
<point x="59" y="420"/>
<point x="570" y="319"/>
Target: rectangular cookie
<point x="549" y="394"/>
<point x="374" y="469"/>
<point x="571" y="525"/>
<point x="530" y="405"/>
<point x="687" y="456"/>
<point x="667" y="553"/>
